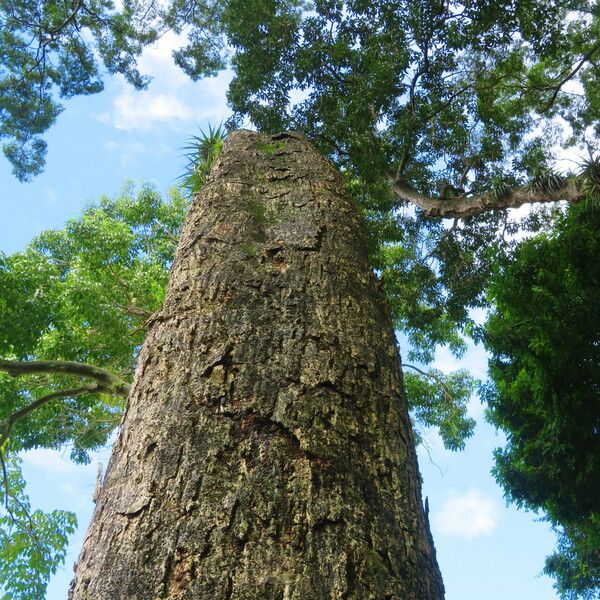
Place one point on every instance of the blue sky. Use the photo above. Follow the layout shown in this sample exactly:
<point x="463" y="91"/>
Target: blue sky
<point x="486" y="550"/>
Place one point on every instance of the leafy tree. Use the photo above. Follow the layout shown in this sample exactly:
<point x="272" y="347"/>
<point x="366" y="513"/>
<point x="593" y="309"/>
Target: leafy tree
<point x="32" y="544"/>
<point x="543" y="336"/>
<point x="447" y="107"/>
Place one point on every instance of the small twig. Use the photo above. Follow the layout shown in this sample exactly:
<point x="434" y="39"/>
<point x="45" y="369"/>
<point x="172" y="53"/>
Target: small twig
<point x="437" y="379"/>
<point x="557" y="87"/>
<point x="427" y="449"/>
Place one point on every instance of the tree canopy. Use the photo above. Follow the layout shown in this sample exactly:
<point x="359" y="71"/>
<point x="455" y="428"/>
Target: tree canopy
<point x="430" y="109"/>
<point x="544" y="339"/>
<point x="422" y="90"/>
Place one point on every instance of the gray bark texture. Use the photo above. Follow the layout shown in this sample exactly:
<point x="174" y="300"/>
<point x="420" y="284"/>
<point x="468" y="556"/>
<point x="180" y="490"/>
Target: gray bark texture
<point x="266" y="451"/>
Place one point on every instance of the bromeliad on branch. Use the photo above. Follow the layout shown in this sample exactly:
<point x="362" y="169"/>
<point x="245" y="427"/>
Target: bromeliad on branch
<point x="571" y="190"/>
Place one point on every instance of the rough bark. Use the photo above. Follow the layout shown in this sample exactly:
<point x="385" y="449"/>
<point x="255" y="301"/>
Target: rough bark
<point x="266" y="451"/>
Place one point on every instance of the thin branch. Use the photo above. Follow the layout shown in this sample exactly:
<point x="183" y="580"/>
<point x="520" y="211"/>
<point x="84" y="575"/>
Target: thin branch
<point x="106" y="380"/>
<point x="467" y="206"/>
<point x="558" y="86"/>
<point x="428" y="450"/>
<point x="18" y="414"/>
<point x="70" y="19"/>
<point x="447" y="233"/>
<point x="435" y="378"/>
<point x="460" y="91"/>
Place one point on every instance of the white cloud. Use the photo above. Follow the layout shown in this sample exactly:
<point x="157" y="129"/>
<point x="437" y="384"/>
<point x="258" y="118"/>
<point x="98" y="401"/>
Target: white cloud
<point x="445" y="361"/>
<point x="194" y="102"/>
<point x="157" y="60"/>
<point x="172" y="98"/>
<point x="468" y="515"/>
<point x="61" y="482"/>
<point x="144" y="110"/>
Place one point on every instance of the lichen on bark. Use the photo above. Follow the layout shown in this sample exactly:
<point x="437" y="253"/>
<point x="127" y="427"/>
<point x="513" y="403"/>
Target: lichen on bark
<point x="266" y="451"/>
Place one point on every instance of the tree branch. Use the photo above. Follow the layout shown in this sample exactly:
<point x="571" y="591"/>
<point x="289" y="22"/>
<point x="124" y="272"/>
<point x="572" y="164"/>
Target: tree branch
<point x="556" y="88"/>
<point x="18" y="414"/>
<point x="467" y="206"/>
<point x="135" y="311"/>
<point x="106" y="381"/>
<point x="68" y="21"/>
<point x="438" y="380"/>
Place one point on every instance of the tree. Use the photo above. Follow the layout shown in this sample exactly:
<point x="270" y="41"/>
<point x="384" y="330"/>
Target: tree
<point x="543" y="336"/>
<point x="267" y="427"/>
<point x="447" y="107"/>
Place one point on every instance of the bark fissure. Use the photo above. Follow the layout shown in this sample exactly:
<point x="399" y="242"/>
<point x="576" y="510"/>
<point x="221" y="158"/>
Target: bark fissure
<point x="282" y="464"/>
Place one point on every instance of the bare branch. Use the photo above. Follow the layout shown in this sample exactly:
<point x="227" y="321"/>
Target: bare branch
<point x="467" y="206"/>
<point x="106" y="381"/>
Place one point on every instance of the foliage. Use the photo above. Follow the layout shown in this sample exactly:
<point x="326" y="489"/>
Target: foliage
<point x="576" y="563"/>
<point x="431" y="89"/>
<point x="431" y="92"/>
<point x="53" y="50"/>
<point x="440" y="400"/>
<point x="543" y="337"/>
<point x="32" y="544"/>
<point x="590" y="178"/>
<point x="83" y="294"/>
<point x="546" y="181"/>
<point x="202" y="151"/>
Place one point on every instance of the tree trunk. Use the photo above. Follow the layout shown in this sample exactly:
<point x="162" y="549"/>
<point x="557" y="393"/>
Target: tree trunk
<point x="266" y="451"/>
